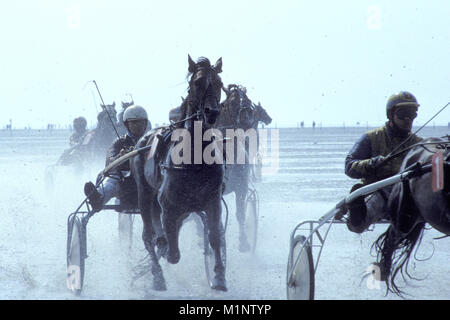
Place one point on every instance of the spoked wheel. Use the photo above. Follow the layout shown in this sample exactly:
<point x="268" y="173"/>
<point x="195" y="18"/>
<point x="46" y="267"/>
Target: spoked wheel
<point x="76" y="253"/>
<point x="302" y="286"/>
<point x="125" y="230"/>
<point x="251" y="219"/>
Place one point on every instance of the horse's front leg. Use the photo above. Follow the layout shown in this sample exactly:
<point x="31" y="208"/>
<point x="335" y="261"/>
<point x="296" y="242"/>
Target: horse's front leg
<point x="159" y="237"/>
<point x="171" y="228"/>
<point x="241" y="194"/>
<point x="159" y="283"/>
<point x="216" y="235"/>
<point x="146" y="200"/>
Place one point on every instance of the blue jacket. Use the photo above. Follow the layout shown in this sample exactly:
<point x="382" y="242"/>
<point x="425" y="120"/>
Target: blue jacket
<point x="380" y="141"/>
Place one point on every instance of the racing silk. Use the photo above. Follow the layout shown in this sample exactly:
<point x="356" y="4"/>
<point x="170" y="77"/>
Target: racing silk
<point x="126" y="141"/>
<point x="380" y="141"/>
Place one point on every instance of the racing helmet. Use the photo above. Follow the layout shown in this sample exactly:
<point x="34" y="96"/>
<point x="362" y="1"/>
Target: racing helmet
<point x="135" y="113"/>
<point x="400" y="99"/>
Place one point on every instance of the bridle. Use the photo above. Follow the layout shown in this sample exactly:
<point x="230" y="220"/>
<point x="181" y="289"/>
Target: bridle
<point x="199" y="104"/>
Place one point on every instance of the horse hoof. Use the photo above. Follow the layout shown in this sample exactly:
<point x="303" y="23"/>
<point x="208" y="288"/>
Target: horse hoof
<point x="219" y="283"/>
<point x="244" y="246"/>
<point x="159" y="285"/>
<point x="173" y="258"/>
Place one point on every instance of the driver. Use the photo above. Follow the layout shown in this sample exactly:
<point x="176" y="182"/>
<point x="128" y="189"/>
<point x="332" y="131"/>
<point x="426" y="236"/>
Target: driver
<point x="135" y="120"/>
<point x="366" y="160"/>
<point x="79" y="125"/>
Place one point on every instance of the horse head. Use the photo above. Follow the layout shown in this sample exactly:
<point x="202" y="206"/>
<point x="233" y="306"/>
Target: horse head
<point x="238" y="109"/>
<point x="205" y="87"/>
<point x="125" y="105"/>
<point x="109" y="110"/>
<point x="262" y="115"/>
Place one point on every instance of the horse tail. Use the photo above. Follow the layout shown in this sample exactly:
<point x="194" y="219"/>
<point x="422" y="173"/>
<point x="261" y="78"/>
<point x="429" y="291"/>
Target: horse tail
<point x="395" y="246"/>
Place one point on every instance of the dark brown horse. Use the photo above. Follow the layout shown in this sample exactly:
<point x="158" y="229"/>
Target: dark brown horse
<point x="237" y="112"/>
<point x="168" y="191"/>
<point x="412" y="204"/>
<point x="261" y="115"/>
<point x="105" y="132"/>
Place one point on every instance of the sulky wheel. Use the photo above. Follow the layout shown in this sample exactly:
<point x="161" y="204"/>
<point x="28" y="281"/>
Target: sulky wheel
<point x="76" y="254"/>
<point x="301" y="286"/>
<point x="251" y="219"/>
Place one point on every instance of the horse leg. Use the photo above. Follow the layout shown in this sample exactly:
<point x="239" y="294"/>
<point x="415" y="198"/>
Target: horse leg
<point x="159" y="282"/>
<point x="216" y="235"/>
<point x="159" y="238"/>
<point x="146" y="201"/>
<point x="241" y="194"/>
<point x="171" y="229"/>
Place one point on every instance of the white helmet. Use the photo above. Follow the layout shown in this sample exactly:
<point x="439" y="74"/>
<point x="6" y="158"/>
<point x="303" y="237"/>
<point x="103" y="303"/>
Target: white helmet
<point x="135" y="113"/>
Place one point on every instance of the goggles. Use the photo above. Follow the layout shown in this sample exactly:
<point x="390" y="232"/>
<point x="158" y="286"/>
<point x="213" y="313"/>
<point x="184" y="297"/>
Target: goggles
<point x="404" y="113"/>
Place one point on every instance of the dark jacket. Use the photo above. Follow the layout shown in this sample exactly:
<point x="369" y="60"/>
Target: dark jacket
<point x="77" y="138"/>
<point x="125" y="142"/>
<point x="380" y="141"/>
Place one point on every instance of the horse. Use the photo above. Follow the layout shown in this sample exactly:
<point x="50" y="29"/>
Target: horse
<point x="237" y="112"/>
<point x="101" y="138"/>
<point x="94" y="143"/>
<point x="261" y="115"/>
<point x="411" y="205"/>
<point x="169" y="191"/>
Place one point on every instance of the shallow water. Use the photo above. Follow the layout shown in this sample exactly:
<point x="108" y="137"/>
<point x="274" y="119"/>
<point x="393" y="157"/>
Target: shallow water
<point x="310" y="180"/>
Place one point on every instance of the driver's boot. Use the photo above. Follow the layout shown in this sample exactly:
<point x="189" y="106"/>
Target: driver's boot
<point x="95" y="198"/>
<point x="357" y="213"/>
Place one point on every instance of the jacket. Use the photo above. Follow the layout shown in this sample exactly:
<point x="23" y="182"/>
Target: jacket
<point x="380" y="141"/>
<point x="126" y="141"/>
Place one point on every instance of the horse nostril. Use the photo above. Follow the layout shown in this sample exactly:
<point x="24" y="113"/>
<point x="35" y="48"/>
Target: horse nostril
<point x="211" y="115"/>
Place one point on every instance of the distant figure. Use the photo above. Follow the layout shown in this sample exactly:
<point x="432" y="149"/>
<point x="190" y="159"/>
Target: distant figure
<point x="314" y="124"/>
<point x="449" y="125"/>
<point x="105" y="132"/>
<point x="302" y="124"/>
<point x="79" y="125"/>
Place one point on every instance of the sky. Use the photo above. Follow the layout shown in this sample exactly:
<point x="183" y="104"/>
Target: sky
<point x="332" y="62"/>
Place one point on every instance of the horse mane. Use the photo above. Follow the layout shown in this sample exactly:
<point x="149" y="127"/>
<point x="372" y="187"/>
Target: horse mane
<point x="405" y="218"/>
<point x="395" y="246"/>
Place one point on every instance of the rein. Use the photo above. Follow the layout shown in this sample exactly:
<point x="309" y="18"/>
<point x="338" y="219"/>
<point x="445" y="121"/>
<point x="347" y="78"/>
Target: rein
<point x="173" y="124"/>
<point x="439" y="145"/>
